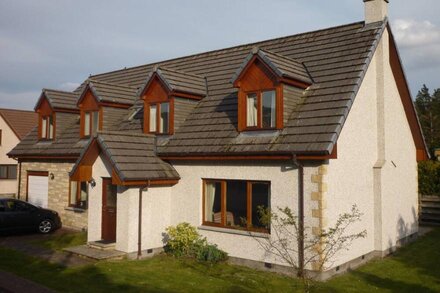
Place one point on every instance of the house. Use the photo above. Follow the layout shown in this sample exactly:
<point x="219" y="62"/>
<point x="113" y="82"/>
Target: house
<point x="316" y="122"/>
<point x="14" y="125"/>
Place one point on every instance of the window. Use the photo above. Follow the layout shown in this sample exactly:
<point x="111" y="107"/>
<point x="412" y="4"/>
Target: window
<point x="159" y="120"/>
<point x="8" y="171"/>
<point x="261" y="109"/>
<point x="235" y="203"/>
<point x="47" y="127"/>
<point x="79" y="192"/>
<point x="0" y="137"/>
<point x="91" y="123"/>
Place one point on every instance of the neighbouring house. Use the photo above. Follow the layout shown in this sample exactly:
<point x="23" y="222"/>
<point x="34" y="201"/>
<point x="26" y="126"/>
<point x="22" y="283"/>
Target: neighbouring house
<point x="316" y="122"/>
<point x="14" y="125"/>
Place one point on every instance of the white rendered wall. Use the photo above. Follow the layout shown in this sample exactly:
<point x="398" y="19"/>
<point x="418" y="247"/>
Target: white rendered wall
<point x="8" y="141"/>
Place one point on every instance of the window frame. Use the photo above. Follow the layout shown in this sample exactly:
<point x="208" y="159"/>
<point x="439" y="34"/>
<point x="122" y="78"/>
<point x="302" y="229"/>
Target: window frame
<point x="7" y="171"/>
<point x="223" y="208"/>
<point x="158" y="106"/>
<point x="78" y="195"/>
<point x="91" y="114"/>
<point x="47" y="119"/>
<point x="259" y="94"/>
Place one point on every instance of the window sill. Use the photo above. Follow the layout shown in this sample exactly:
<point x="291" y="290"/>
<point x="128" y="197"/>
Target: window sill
<point x="234" y="231"/>
<point x="76" y="210"/>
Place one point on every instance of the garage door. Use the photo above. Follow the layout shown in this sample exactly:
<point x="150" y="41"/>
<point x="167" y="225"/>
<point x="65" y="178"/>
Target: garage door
<point x="38" y="187"/>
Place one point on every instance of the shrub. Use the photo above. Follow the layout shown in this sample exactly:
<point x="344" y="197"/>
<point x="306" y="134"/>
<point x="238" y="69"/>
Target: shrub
<point x="184" y="241"/>
<point x="210" y="253"/>
<point x="429" y="178"/>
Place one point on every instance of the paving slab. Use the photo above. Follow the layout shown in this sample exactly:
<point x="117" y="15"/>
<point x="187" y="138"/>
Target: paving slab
<point x="94" y="253"/>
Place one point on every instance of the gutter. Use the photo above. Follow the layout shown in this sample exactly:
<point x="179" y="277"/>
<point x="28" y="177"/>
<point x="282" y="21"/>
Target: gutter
<point x="300" y="239"/>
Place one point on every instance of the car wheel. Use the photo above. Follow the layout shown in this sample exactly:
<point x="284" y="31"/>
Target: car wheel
<point x="45" y="226"/>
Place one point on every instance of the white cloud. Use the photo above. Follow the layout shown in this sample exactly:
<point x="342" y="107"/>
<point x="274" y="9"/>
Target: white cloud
<point x="21" y="100"/>
<point x="411" y="33"/>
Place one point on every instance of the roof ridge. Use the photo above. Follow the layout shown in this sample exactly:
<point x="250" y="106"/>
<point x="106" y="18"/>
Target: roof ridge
<point x="229" y="48"/>
<point x="112" y="84"/>
<point x="18" y="110"/>
<point x="60" y="91"/>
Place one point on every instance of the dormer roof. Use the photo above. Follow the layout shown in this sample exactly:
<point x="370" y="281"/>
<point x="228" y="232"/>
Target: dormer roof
<point x="58" y="99"/>
<point x="281" y="66"/>
<point x="177" y="82"/>
<point x="109" y="92"/>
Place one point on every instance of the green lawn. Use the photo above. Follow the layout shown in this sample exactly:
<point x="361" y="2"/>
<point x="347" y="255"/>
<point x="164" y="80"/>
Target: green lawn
<point x="416" y="268"/>
<point x="58" y="241"/>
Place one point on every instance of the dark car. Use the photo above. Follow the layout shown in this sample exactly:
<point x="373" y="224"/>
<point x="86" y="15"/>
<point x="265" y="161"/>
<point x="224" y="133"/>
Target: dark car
<point x="17" y="215"/>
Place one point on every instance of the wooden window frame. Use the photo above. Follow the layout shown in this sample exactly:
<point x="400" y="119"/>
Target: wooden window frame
<point x="47" y="119"/>
<point x="90" y="112"/>
<point x="223" y="183"/>
<point x="78" y="195"/>
<point x="259" y="94"/>
<point x="158" y="109"/>
<point x="7" y="172"/>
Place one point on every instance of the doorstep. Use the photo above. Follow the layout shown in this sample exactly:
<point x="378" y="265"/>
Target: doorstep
<point x="95" y="253"/>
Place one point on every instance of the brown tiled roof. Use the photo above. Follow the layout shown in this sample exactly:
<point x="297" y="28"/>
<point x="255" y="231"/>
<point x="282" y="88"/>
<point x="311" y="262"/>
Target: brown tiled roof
<point x="132" y="156"/>
<point x="112" y="92"/>
<point x="335" y="59"/>
<point x="281" y="65"/>
<point x="20" y="121"/>
<point x="180" y="81"/>
<point x="59" y="99"/>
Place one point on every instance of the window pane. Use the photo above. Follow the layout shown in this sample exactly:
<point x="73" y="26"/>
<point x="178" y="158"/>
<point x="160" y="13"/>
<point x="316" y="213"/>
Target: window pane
<point x="73" y="192"/>
<point x="95" y="124"/>
<point x="269" y="109"/>
<point x="260" y="200"/>
<point x="153" y="109"/>
<point x="83" y="195"/>
<point x="86" y="124"/>
<point x="44" y="127"/>
<point x="164" y="117"/>
<point x="12" y="172"/>
<point x="2" y="206"/>
<point x="111" y="193"/>
<point x="213" y="203"/>
<point x="50" y="118"/>
<point x="251" y="110"/>
<point x="3" y="172"/>
<point x="236" y="203"/>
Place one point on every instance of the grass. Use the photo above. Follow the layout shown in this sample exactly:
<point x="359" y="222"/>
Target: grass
<point x="415" y="268"/>
<point x="58" y="241"/>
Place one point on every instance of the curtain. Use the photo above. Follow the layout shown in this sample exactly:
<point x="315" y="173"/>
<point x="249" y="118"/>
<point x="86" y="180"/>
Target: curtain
<point x="251" y="115"/>
<point x="87" y="124"/>
<point x="43" y="127"/>
<point x="153" y="118"/>
<point x="209" y="201"/>
<point x="50" y="127"/>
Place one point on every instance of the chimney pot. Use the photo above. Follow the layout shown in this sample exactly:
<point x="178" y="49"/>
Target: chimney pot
<point x="375" y="10"/>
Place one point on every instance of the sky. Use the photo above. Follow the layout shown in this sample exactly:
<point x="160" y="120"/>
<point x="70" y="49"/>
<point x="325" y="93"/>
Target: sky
<point x="58" y="44"/>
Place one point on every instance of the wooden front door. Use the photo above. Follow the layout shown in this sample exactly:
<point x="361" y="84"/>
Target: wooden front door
<point x="109" y="192"/>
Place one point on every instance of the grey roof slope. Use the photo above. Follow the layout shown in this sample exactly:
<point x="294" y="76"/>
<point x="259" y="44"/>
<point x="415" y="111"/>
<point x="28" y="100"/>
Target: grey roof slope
<point x="281" y="65"/>
<point x="59" y="99"/>
<point x="111" y="92"/>
<point x="179" y="81"/>
<point x="336" y="60"/>
<point x="133" y="156"/>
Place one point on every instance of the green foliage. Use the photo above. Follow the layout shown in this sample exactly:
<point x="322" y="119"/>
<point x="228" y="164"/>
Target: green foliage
<point x="182" y="239"/>
<point x="429" y="178"/>
<point x="185" y="241"/>
<point x="210" y="253"/>
<point x="428" y="110"/>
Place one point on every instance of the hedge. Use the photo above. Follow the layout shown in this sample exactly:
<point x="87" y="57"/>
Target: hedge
<point x="429" y="178"/>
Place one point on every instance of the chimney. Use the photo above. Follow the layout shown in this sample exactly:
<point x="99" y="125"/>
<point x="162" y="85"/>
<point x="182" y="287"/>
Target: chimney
<point x="375" y="10"/>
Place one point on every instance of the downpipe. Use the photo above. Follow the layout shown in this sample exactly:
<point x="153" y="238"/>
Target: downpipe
<point x="300" y="167"/>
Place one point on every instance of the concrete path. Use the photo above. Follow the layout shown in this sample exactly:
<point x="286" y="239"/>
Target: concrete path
<point x="10" y="283"/>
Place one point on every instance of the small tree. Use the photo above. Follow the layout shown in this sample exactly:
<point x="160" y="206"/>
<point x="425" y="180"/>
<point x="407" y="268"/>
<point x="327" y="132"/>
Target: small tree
<point x="320" y="247"/>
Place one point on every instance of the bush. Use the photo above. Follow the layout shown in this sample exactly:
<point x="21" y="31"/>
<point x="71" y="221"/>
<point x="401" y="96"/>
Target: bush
<point x="184" y="241"/>
<point x="429" y="178"/>
<point x="210" y="253"/>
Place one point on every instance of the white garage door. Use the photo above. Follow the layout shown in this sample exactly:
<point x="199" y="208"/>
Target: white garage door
<point x="38" y="187"/>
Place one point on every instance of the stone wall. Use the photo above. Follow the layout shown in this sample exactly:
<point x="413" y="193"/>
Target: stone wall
<point x="58" y="198"/>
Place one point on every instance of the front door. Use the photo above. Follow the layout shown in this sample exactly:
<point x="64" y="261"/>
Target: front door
<point x="109" y="192"/>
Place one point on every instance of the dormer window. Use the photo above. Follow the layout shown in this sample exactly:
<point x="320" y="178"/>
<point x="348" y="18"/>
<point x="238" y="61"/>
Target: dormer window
<point x="91" y="123"/>
<point x="261" y="81"/>
<point x="47" y="127"/>
<point x="160" y="118"/>
<point x="261" y="110"/>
